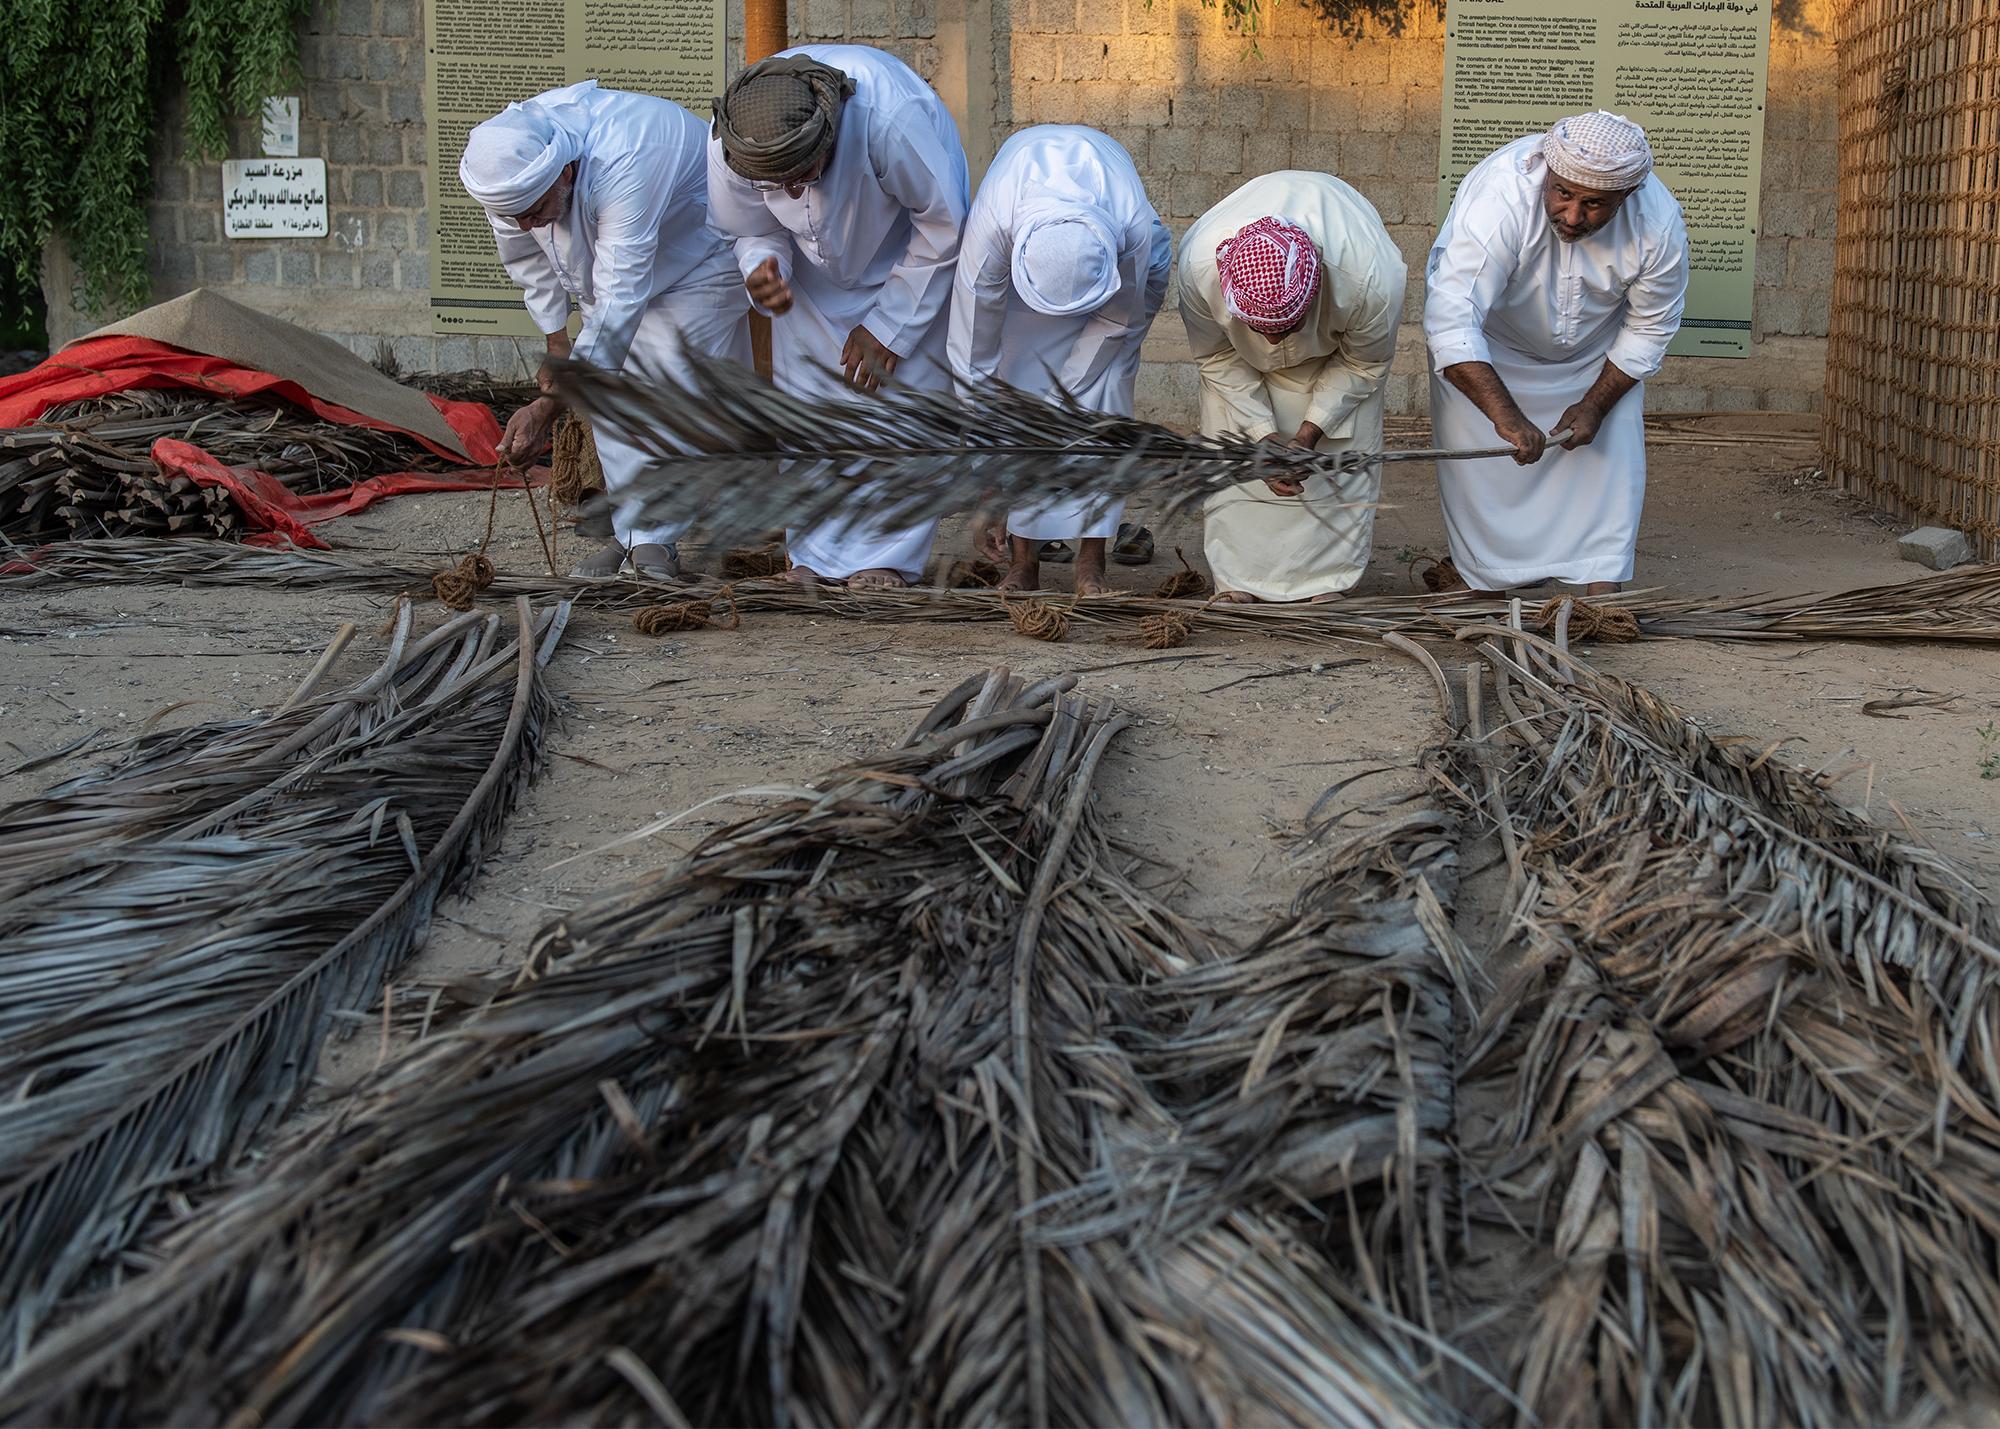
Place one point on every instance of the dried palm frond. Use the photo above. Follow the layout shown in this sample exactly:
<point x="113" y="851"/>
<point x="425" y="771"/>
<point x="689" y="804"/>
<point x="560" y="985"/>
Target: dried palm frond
<point x="796" y="1131"/>
<point x="178" y="933"/>
<point x="1962" y="605"/>
<point x="86" y="468"/>
<point x="713" y="435"/>
<point x="1796" y="1011"/>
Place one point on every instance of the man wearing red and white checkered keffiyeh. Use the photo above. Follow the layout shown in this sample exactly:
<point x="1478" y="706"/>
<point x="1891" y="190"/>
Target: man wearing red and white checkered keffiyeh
<point x="1291" y="290"/>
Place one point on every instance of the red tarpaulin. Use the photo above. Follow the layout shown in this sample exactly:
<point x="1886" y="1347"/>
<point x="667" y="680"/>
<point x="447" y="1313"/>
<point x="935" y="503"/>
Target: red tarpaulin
<point x="100" y="365"/>
<point x="274" y="513"/>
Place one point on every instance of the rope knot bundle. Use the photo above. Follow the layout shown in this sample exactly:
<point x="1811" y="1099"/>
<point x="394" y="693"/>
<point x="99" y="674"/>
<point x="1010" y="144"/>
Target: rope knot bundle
<point x="697" y="614"/>
<point x="461" y="585"/>
<point x="1612" y="624"/>
<point x="574" y="471"/>
<point x="1183" y="583"/>
<point x="744" y="563"/>
<point x="1038" y="620"/>
<point x="1167" y="629"/>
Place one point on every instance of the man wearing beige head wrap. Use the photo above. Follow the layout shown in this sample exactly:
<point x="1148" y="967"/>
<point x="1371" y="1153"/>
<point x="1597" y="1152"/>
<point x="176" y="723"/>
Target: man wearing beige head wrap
<point x="1554" y="288"/>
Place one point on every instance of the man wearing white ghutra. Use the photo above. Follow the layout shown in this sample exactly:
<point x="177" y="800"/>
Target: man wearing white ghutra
<point x="1554" y="288"/>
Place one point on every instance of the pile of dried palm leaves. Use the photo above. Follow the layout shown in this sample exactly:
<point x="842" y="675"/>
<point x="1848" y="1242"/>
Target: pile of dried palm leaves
<point x="1961" y="605"/>
<point x="898" y="1101"/>
<point x="178" y="932"/>
<point x="1751" y="1096"/>
<point x="86" y="468"/>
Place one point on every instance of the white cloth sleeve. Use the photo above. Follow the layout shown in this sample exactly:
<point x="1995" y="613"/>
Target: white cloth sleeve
<point x="1233" y="383"/>
<point x="528" y="265"/>
<point x="737" y="211"/>
<point x="979" y="292"/>
<point x="1653" y="306"/>
<point x="1466" y="278"/>
<point x="631" y="208"/>
<point x="1359" y="364"/>
<point x="915" y="170"/>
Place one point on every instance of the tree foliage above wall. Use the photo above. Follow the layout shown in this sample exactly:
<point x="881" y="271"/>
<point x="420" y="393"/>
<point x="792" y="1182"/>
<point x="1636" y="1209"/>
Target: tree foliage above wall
<point x="84" y="81"/>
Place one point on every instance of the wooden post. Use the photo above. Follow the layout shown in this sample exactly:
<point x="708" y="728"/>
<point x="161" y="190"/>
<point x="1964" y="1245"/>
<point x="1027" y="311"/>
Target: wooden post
<point x="763" y="36"/>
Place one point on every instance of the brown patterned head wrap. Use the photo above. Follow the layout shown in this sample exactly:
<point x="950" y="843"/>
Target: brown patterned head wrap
<point x="780" y="116"/>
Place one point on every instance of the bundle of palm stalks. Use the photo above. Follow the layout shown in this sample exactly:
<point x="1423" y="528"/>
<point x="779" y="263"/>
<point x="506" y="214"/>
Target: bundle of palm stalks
<point x="180" y="930"/>
<point x="1961" y="605"/>
<point x="714" y="434"/>
<point x="896" y="1102"/>
<point x="86" y="469"/>
<point x="1774" y="1022"/>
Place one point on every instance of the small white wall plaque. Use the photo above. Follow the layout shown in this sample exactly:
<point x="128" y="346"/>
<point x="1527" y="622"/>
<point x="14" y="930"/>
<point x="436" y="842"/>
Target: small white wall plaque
<point x="274" y="198"/>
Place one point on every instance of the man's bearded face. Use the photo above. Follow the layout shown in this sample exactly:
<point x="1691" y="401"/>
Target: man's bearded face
<point x="551" y="206"/>
<point x="1577" y="212"/>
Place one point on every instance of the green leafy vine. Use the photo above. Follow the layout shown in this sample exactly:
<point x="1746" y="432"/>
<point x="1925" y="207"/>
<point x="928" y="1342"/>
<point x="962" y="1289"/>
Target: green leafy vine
<point x="79" y="107"/>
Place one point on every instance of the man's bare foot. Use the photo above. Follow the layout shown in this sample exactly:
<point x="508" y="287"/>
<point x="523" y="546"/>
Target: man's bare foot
<point x="1021" y="576"/>
<point x="1090" y="567"/>
<point x="1325" y="597"/>
<point x="805" y="576"/>
<point x="1601" y="588"/>
<point x="1237" y="597"/>
<point x="876" y="580"/>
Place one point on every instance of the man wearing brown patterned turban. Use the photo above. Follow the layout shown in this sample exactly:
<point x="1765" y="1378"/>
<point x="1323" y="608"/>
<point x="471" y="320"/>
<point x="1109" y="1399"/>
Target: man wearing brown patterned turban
<point x="839" y="174"/>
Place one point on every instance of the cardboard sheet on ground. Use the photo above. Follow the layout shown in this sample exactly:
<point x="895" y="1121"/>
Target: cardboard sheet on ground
<point x="205" y="321"/>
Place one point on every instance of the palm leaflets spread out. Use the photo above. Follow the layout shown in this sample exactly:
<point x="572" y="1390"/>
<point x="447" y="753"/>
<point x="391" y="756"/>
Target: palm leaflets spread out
<point x="896" y="1102"/>
<point x="1761" y="1078"/>
<point x="1961" y="605"/>
<point x="177" y="933"/>
<point x="713" y="435"/>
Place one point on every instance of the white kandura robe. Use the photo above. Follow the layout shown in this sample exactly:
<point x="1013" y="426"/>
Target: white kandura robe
<point x="636" y="253"/>
<point x="1094" y="356"/>
<point x="1504" y="288"/>
<point x="872" y="244"/>
<point x="1331" y="372"/>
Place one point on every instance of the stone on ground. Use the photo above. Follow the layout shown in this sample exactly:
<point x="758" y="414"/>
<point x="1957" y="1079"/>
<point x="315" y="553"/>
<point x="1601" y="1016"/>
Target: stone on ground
<point x="1938" y="547"/>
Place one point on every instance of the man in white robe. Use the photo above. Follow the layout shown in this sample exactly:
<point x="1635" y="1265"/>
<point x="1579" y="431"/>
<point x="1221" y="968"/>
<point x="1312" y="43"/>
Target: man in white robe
<point x="1292" y="290"/>
<point x="839" y="174"/>
<point x="1061" y="270"/>
<point x="1554" y="288"/>
<point x="600" y="198"/>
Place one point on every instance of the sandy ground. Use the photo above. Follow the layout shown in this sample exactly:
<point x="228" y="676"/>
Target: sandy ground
<point x="1239" y="737"/>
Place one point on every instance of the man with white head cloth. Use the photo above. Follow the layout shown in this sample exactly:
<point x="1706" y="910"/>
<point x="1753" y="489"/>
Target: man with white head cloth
<point x="600" y="198"/>
<point x="839" y="173"/>
<point x="1292" y="291"/>
<point x="1063" y="266"/>
<point x="1554" y="288"/>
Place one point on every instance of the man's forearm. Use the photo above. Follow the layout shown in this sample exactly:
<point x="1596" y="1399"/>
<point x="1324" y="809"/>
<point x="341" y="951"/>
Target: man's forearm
<point x="558" y="346"/>
<point x="1611" y="385"/>
<point x="1484" y="389"/>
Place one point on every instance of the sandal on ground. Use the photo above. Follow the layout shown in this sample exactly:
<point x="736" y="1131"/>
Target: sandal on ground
<point x="656" y="563"/>
<point x="600" y="565"/>
<point x="1056" y="553"/>
<point x="1134" y="546"/>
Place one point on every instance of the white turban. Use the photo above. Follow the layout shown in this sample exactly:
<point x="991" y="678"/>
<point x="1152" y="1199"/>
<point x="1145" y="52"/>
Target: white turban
<point x="1065" y="260"/>
<point x="1599" y="150"/>
<point x="516" y="156"/>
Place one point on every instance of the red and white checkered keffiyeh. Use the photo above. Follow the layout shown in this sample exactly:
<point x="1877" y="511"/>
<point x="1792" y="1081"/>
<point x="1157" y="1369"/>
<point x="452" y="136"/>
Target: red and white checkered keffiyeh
<point x="1270" y="274"/>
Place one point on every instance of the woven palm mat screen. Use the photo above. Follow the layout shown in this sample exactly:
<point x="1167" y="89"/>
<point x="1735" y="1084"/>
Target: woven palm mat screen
<point x="901" y="1100"/>
<point x="1912" y="411"/>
